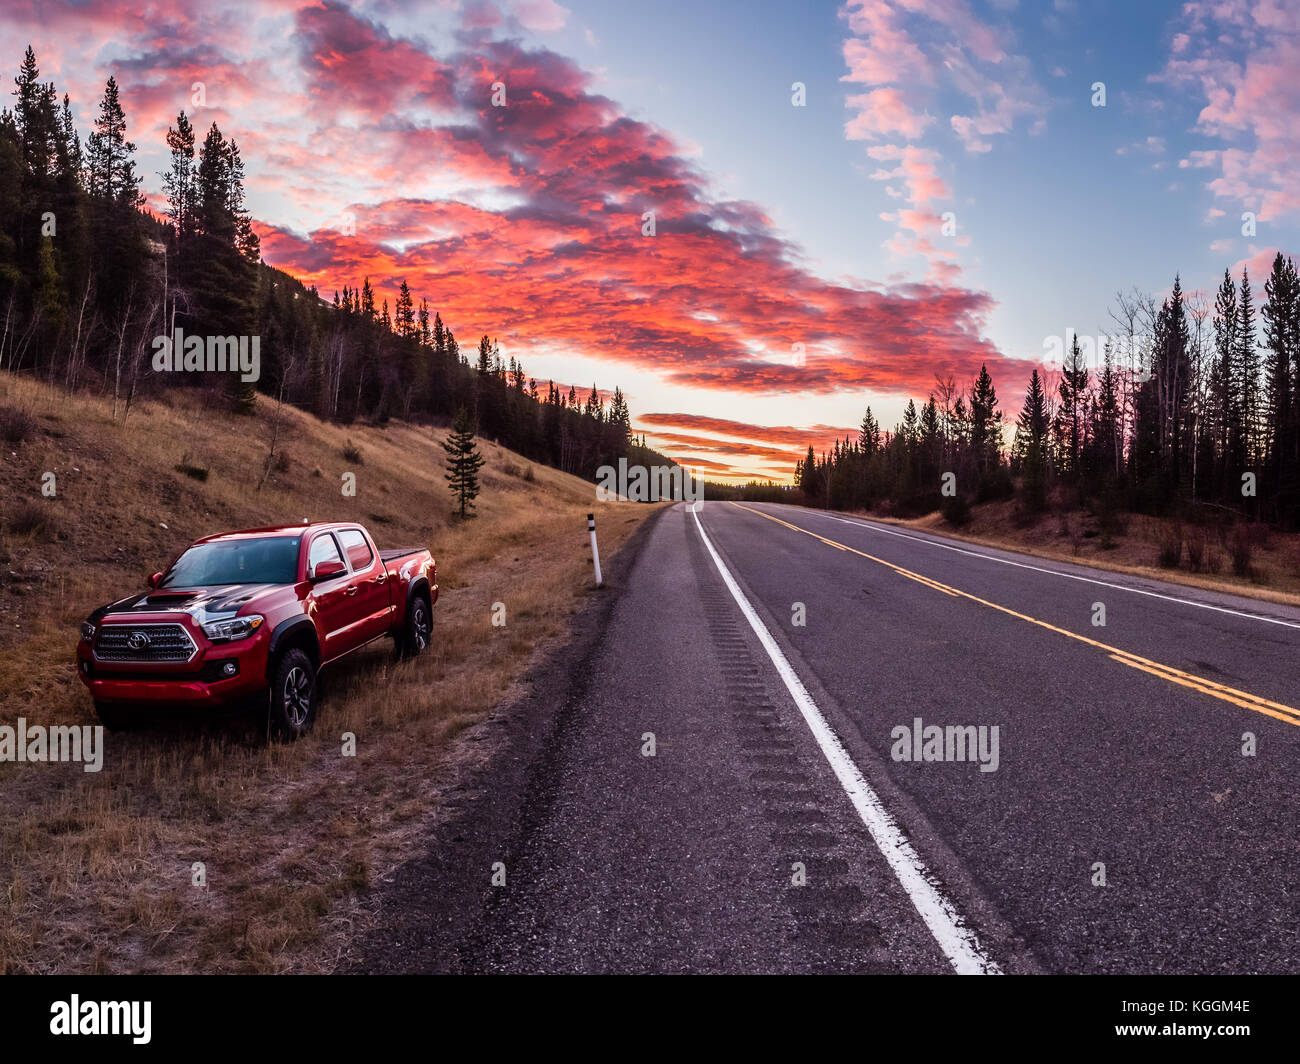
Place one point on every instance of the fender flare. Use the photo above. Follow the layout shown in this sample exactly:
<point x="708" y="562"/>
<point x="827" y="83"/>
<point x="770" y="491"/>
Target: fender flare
<point x="421" y="582"/>
<point x="291" y="627"/>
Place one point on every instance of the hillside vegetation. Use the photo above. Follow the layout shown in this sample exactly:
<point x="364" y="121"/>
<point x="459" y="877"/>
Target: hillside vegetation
<point x="95" y="869"/>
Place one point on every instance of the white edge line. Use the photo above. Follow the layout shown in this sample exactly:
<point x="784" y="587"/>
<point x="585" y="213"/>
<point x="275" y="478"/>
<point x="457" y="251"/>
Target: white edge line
<point x="872" y="527"/>
<point x="950" y="931"/>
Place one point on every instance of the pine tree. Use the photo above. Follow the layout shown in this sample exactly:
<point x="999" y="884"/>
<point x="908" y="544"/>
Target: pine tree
<point x="35" y="120"/>
<point x="1248" y="371"/>
<point x="1174" y="374"/>
<point x="1107" y="413"/>
<point x="219" y="266"/>
<point x="70" y="160"/>
<point x="619" y="419"/>
<point x="179" y="180"/>
<point x="1031" y="444"/>
<point x="1281" y="316"/>
<point x="1226" y="392"/>
<point x="929" y="434"/>
<point x="404" y="316"/>
<point x="246" y="239"/>
<point x="1278" y="315"/>
<point x="463" y="462"/>
<point x="109" y="161"/>
<point x="113" y="189"/>
<point x="50" y="296"/>
<point x="869" y="435"/>
<point x="910" y="423"/>
<point x="1071" y="415"/>
<point x="985" y="423"/>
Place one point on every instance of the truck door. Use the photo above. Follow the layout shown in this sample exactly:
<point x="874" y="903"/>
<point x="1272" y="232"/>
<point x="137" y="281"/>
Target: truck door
<point x="373" y="599"/>
<point x="337" y="617"/>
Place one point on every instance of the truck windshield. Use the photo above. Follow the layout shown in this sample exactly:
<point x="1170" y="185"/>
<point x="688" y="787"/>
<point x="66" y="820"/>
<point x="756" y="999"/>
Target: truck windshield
<point x="273" y="560"/>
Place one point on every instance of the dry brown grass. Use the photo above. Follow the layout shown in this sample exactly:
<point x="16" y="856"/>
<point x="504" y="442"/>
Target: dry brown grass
<point x="1146" y="546"/>
<point x="95" y="869"/>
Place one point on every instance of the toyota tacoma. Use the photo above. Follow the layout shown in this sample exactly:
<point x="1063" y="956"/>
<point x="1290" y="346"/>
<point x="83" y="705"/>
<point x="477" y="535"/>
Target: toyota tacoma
<point x="256" y="613"/>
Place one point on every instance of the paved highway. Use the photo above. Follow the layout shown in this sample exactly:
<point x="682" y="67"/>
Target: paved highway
<point x="1127" y="801"/>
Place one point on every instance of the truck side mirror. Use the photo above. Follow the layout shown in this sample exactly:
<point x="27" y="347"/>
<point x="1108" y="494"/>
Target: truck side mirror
<point x="155" y="580"/>
<point x="327" y="570"/>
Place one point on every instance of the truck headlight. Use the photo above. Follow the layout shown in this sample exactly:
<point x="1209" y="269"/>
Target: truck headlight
<point x="234" y="628"/>
<point x="87" y="632"/>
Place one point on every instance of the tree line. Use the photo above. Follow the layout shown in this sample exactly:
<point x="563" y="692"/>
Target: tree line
<point x="89" y="279"/>
<point x="1187" y="405"/>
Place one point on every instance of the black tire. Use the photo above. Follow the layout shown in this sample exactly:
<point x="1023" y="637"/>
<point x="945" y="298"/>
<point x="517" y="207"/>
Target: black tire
<point x="116" y="717"/>
<point x="418" y="629"/>
<point x="292" y="699"/>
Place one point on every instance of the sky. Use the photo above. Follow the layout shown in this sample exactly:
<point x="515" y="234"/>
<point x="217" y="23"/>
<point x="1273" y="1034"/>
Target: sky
<point x="848" y="199"/>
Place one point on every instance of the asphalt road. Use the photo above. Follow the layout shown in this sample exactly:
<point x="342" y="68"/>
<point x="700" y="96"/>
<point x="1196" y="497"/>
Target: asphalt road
<point x="775" y="828"/>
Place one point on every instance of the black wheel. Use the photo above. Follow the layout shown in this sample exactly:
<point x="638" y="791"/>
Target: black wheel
<point x="415" y="635"/>
<point x="116" y="717"/>
<point x="292" y="709"/>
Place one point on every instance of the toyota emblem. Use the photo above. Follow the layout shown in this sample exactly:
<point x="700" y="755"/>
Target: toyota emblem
<point x="137" y="640"/>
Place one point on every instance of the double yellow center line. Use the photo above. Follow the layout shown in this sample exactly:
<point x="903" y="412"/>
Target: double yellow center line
<point x="1244" y="699"/>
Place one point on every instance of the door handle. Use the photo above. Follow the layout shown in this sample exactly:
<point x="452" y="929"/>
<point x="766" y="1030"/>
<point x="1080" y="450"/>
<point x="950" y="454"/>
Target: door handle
<point x="350" y="590"/>
<point x="381" y="578"/>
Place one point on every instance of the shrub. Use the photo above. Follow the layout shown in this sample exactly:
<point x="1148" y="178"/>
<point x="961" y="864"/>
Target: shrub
<point x="994" y="485"/>
<point x="1196" y="546"/>
<point x="956" y="511"/>
<point x="16" y="426"/>
<point x="352" y="453"/>
<point x="192" y="471"/>
<point x="1110" y="520"/>
<point x="1242" y="551"/>
<point x="32" y="519"/>
<point x="1024" y="515"/>
<point x="1171" y="547"/>
<point x="1260" y="534"/>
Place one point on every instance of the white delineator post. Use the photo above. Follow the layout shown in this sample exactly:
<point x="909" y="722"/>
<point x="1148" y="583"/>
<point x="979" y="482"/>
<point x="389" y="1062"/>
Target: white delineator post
<point x="595" y="552"/>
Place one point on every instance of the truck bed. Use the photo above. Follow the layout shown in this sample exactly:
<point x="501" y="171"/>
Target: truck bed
<point x="398" y="552"/>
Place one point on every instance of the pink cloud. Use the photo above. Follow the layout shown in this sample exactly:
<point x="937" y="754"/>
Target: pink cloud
<point x="544" y="16"/>
<point x="524" y="221"/>
<point x="906" y="52"/>
<point x="882" y="113"/>
<point x="1240" y="57"/>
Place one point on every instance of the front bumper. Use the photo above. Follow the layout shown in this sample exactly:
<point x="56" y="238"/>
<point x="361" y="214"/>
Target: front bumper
<point x="201" y="682"/>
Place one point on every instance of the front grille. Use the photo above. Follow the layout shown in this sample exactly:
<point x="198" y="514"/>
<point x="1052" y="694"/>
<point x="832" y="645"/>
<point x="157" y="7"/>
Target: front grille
<point x="154" y="642"/>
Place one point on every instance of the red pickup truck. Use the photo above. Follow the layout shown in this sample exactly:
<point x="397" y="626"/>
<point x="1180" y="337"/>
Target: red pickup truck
<point x="257" y="612"/>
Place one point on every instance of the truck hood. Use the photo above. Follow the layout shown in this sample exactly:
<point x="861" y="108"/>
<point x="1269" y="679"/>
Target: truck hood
<point x="202" y="603"/>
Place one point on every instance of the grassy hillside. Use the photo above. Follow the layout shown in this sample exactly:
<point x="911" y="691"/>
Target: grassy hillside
<point x="95" y="869"/>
